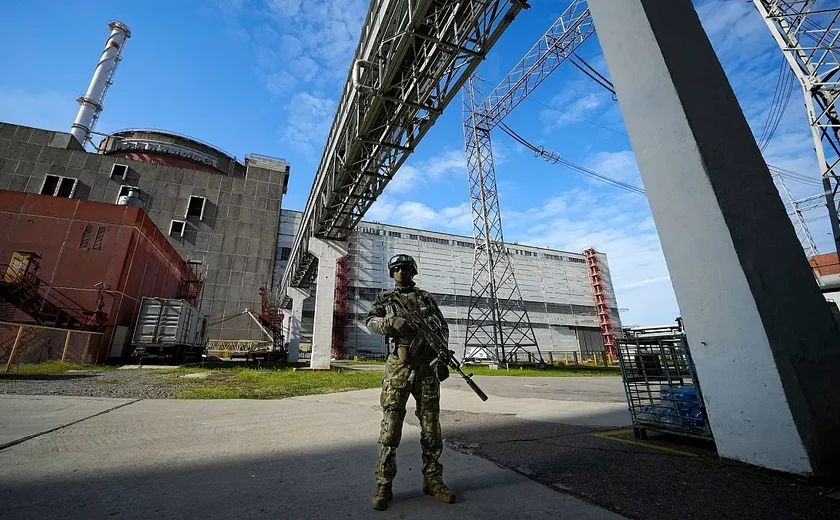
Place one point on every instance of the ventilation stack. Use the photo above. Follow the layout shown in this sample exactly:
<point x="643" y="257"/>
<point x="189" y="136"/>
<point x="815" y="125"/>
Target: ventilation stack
<point x="90" y="105"/>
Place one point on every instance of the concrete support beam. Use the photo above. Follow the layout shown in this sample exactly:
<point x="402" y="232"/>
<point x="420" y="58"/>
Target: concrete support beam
<point x="765" y="344"/>
<point x="327" y="251"/>
<point x="295" y="317"/>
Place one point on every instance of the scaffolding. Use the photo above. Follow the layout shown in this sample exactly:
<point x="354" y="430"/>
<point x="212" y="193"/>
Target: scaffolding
<point x="342" y="283"/>
<point x="271" y="316"/>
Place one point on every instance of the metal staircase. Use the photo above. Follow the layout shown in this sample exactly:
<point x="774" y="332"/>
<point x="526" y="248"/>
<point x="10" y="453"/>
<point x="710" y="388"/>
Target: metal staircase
<point x="46" y="306"/>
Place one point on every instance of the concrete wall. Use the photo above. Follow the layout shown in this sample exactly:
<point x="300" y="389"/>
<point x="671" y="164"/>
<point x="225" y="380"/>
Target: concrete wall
<point x="235" y="240"/>
<point x="554" y="284"/>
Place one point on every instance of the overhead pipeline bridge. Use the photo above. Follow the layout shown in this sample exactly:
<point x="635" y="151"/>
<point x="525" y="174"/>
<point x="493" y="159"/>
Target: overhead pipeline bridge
<point x="412" y="59"/>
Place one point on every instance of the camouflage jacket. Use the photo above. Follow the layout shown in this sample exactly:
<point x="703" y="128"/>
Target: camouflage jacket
<point x="382" y="309"/>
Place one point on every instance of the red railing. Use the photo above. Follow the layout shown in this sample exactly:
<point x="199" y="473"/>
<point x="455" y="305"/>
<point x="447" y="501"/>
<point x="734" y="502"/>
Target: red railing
<point x="601" y="302"/>
<point x="46" y="305"/>
<point x="272" y="317"/>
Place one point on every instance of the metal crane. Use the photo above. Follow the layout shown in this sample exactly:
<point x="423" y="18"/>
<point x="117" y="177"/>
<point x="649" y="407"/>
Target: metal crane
<point x="412" y="58"/>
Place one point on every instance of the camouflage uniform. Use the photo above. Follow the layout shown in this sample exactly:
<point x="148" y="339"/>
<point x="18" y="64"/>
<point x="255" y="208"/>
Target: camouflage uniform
<point x="407" y="373"/>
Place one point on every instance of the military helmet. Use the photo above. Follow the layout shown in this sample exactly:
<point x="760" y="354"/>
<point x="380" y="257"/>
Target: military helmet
<point x="401" y="260"/>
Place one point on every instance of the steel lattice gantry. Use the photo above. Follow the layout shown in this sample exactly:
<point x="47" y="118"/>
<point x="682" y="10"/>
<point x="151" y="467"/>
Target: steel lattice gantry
<point x="497" y="323"/>
<point x="808" y="32"/>
<point x="412" y="58"/>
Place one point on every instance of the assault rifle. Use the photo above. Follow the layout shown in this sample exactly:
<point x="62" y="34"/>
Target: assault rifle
<point x="430" y="330"/>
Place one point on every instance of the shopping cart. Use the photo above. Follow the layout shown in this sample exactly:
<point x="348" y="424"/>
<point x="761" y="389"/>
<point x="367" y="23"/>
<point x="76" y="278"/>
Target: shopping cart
<point x="661" y="385"/>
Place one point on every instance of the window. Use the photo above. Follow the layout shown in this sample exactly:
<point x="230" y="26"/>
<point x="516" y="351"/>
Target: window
<point x="576" y="260"/>
<point x="395" y="234"/>
<point x="285" y="252"/>
<point x="119" y="170"/>
<point x="57" y="186"/>
<point x="176" y="228"/>
<point x="196" y="207"/>
<point x="434" y="240"/>
<point x="413" y="237"/>
<point x="554" y="257"/>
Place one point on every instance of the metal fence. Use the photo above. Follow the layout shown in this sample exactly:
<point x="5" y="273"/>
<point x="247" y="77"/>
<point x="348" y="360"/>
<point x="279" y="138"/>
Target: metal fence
<point x="31" y="344"/>
<point x="574" y="358"/>
<point x="662" y="389"/>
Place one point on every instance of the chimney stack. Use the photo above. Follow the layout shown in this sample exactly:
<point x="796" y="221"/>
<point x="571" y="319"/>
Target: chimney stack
<point x="90" y="105"/>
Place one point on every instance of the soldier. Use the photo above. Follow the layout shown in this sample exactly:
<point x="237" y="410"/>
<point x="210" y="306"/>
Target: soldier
<point x="408" y="371"/>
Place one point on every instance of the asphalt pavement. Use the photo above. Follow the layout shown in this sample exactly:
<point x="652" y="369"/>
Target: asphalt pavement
<point x="538" y="448"/>
<point x="309" y="457"/>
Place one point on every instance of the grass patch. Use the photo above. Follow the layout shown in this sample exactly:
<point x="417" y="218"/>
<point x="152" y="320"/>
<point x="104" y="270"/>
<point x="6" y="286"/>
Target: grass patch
<point x="555" y="371"/>
<point x="243" y="383"/>
<point x="52" y="368"/>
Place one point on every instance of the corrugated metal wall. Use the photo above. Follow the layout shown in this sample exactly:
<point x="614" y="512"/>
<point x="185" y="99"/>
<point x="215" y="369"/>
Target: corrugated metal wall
<point x="554" y="284"/>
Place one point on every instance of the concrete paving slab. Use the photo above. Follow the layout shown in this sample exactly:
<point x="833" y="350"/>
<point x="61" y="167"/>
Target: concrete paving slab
<point x="24" y="416"/>
<point x="293" y="458"/>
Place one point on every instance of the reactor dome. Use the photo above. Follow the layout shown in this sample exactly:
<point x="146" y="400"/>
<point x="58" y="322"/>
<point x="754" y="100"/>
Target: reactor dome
<point x="168" y="148"/>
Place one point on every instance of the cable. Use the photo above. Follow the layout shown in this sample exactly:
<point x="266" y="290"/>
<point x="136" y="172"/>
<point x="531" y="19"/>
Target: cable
<point x="555" y="158"/>
<point x="576" y="117"/>
<point x="778" y="106"/>
<point x="597" y="77"/>
<point x="225" y="319"/>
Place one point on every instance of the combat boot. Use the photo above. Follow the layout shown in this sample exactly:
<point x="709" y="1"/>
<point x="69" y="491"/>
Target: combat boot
<point x="436" y="488"/>
<point x="382" y="497"/>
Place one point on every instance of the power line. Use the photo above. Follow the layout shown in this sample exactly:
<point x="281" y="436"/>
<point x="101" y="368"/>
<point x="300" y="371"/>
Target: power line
<point x="593" y="74"/>
<point x="575" y="117"/>
<point x="778" y="105"/>
<point x="555" y="158"/>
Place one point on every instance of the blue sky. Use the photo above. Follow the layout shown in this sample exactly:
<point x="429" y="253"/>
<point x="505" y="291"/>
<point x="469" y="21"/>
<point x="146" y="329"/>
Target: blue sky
<point x="264" y="75"/>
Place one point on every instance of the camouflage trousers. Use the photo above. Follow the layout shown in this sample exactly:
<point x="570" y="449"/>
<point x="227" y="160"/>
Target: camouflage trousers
<point x="401" y="379"/>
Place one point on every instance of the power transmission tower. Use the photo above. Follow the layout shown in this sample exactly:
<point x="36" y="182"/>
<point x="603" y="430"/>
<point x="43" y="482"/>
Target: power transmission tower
<point x="808" y="33"/>
<point x="498" y="325"/>
<point x="795" y="211"/>
<point x="497" y="321"/>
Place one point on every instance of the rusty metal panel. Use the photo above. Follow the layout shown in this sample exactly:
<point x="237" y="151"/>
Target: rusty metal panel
<point x="99" y="212"/>
<point x="49" y="206"/>
<point x="11" y="200"/>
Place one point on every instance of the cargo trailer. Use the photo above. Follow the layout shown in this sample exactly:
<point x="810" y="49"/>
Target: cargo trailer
<point x="168" y="330"/>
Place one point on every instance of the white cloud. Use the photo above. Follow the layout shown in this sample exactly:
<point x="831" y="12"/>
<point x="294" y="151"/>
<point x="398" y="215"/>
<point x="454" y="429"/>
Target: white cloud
<point x="573" y="104"/>
<point x="580" y="219"/>
<point x="283" y="8"/>
<point x="427" y="171"/>
<point x="457" y="219"/>
<point x="303" y="68"/>
<point x="617" y="165"/>
<point x="308" y="123"/>
<point x="280" y="83"/>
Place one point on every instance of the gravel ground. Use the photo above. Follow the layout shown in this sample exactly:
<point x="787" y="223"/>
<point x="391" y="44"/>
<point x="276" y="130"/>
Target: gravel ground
<point x="131" y="384"/>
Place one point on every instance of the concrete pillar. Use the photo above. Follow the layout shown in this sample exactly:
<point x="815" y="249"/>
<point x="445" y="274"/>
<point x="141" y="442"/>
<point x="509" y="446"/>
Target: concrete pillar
<point x="295" y="318"/>
<point x="766" y="347"/>
<point x="327" y="251"/>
